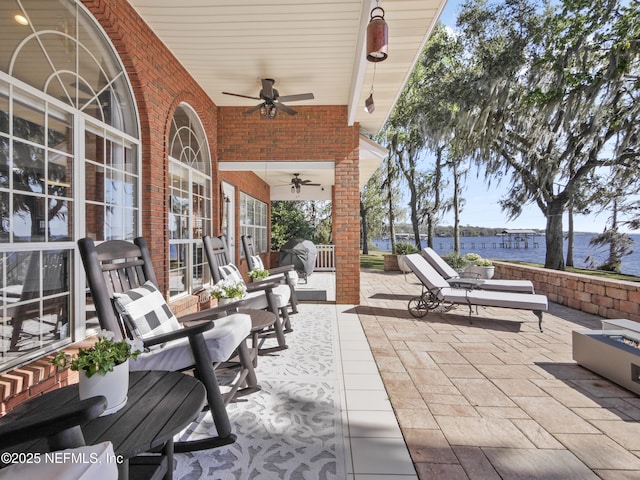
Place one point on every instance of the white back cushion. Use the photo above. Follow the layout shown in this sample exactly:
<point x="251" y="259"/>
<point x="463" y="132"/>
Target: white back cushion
<point x="145" y="311"/>
<point x="231" y="271"/>
<point x="257" y="262"/>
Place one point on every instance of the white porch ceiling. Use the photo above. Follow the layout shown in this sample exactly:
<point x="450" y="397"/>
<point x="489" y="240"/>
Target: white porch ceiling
<point x="279" y="174"/>
<point x="306" y="46"/>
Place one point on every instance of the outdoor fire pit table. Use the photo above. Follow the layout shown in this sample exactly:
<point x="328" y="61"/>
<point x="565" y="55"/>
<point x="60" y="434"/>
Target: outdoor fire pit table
<point x="611" y="352"/>
<point x="159" y="405"/>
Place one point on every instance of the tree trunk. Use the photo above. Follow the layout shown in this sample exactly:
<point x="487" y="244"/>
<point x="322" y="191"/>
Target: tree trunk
<point x="414" y="219"/>
<point x="431" y="233"/>
<point x="365" y="229"/>
<point x="570" y="239"/>
<point x="392" y="228"/>
<point x="554" y="238"/>
<point x="614" y="258"/>
<point x="456" y="210"/>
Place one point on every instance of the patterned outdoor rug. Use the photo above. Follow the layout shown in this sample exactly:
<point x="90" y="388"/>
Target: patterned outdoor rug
<point x="292" y="429"/>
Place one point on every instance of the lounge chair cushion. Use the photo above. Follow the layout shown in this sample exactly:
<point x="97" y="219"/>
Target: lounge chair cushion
<point x="488" y="298"/>
<point x="145" y="311"/>
<point x="446" y="271"/>
<point x="437" y="262"/>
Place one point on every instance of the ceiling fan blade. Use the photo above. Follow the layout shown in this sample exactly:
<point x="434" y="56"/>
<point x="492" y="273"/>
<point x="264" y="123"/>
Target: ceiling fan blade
<point x="296" y="98"/>
<point x="253" y="109"/>
<point x="308" y="183"/>
<point x="267" y="87"/>
<point x="243" y="96"/>
<point x="284" y="108"/>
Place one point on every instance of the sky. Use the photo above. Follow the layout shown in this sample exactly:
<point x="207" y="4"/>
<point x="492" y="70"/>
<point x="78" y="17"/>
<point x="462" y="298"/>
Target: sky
<point x="482" y="206"/>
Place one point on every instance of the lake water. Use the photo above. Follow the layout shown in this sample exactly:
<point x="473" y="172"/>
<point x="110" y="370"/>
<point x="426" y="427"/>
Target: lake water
<point x="490" y="247"/>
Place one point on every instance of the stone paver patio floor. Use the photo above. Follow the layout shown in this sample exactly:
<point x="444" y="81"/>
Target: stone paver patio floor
<point x="494" y="398"/>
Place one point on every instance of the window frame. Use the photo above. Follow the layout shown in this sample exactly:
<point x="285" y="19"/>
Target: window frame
<point x="259" y="210"/>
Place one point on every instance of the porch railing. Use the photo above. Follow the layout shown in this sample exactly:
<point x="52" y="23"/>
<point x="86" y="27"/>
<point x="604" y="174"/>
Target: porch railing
<point x="326" y="259"/>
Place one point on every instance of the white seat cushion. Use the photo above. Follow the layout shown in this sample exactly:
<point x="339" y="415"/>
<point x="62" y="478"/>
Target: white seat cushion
<point x="522" y="286"/>
<point x="221" y="341"/>
<point x="83" y="463"/>
<point x="293" y="275"/>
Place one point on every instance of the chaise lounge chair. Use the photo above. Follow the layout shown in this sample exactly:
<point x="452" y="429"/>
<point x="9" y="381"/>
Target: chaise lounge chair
<point x="436" y="290"/>
<point x="454" y="280"/>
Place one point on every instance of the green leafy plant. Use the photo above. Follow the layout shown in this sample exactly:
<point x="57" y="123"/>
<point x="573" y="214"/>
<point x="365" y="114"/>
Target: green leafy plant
<point x="455" y="260"/>
<point x="258" y="274"/>
<point x="473" y="257"/>
<point x="476" y="259"/>
<point x="229" y="288"/>
<point x="405" y="248"/>
<point x="483" y="262"/>
<point x="100" y="358"/>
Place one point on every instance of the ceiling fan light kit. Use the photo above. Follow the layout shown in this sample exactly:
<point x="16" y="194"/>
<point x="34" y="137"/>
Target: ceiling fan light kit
<point x="297" y="183"/>
<point x="377" y="36"/>
<point x="272" y="102"/>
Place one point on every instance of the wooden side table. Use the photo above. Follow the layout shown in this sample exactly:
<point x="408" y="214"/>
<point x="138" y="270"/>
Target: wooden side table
<point x="159" y="405"/>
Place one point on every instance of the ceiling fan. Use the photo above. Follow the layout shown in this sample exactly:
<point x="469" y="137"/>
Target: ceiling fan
<point x="297" y="183"/>
<point x="271" y="100"/>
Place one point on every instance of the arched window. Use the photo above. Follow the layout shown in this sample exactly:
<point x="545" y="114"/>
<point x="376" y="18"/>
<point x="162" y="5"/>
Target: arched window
<point x="189" y="202"/>
<point x="69" y="163"/>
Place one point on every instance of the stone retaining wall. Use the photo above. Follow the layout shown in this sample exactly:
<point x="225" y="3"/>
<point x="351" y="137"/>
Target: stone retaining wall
<point x="599" y="296"/>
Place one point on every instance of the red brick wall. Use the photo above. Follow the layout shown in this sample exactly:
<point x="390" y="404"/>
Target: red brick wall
<point x="160" y="84"/>
<point x="314" y="134"/>
<point x="596" y="295"/>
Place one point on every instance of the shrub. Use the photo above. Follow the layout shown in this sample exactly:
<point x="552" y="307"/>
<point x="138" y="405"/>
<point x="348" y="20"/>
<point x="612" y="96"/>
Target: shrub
<point x="405" y="248"/>
<point x="455" y="260"/>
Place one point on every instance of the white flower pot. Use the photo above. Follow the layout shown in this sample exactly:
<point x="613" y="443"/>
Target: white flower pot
<point x="114" y="386"/>
<point x="403" y="265"/>
<point x="482" y="272"/>
<point x="225" y="301"/>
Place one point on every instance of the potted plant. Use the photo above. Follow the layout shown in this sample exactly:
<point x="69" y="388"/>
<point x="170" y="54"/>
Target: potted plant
<point x="258" y="274"/>
<point x="456" y="261"/>
<point x="103" y="369"/>
<point x="481" y="267"/>
<point x="402" y="250"/>
<point x="229" y="290"/>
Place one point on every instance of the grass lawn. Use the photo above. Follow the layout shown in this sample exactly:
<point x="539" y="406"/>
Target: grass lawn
<point x="374" y="260"/>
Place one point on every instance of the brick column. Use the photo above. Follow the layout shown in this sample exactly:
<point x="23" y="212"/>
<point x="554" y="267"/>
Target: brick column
<point x="346" y="228"/>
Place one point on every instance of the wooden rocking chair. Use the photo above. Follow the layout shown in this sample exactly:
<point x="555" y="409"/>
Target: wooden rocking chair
<point x="119" y="272"/>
